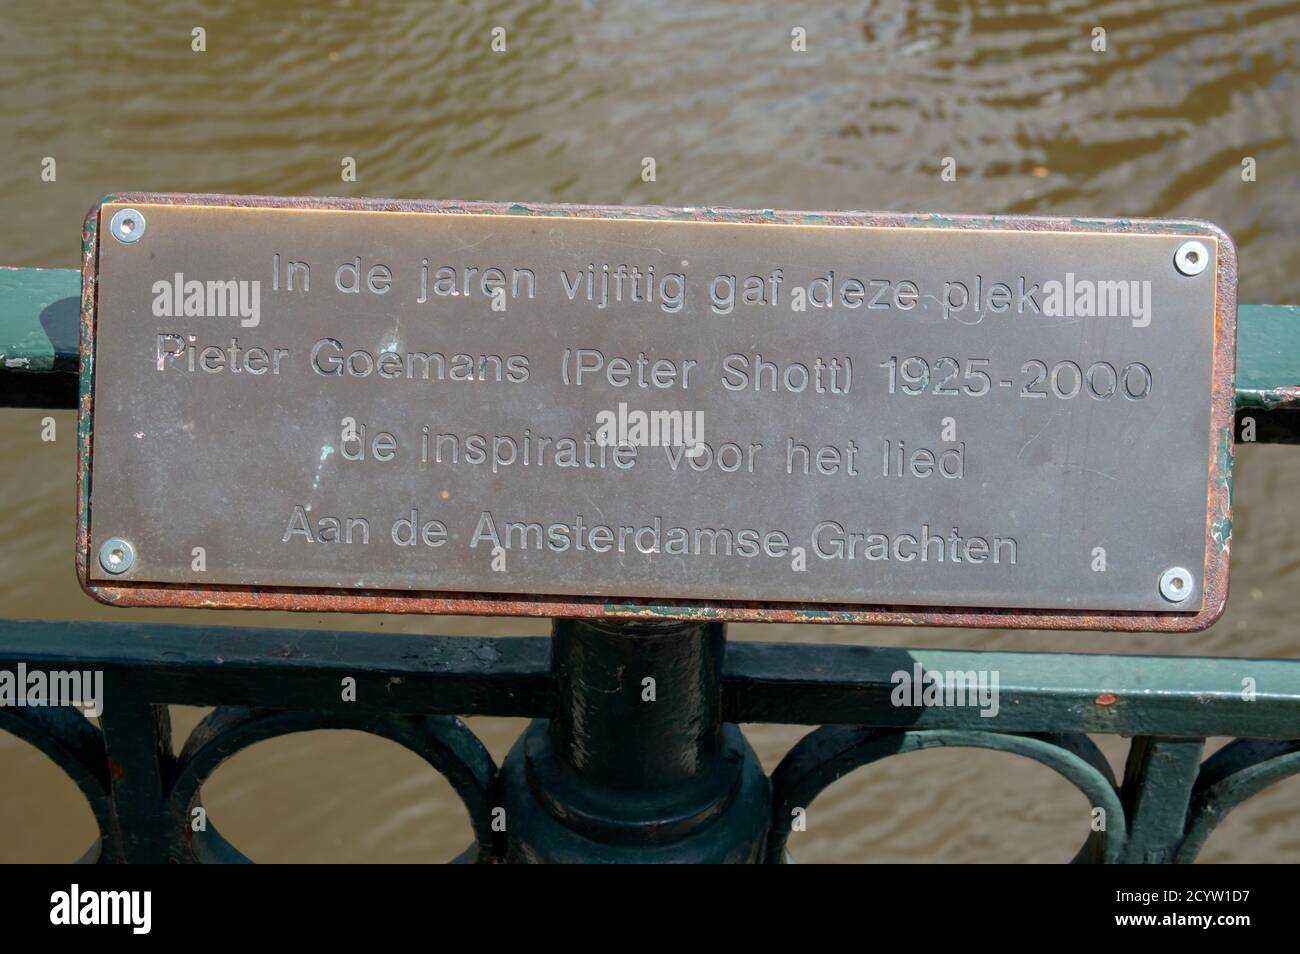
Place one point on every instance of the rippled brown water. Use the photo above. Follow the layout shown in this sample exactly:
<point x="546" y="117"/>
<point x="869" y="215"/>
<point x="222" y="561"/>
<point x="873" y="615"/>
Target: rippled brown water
<point x="1037" y="121"/>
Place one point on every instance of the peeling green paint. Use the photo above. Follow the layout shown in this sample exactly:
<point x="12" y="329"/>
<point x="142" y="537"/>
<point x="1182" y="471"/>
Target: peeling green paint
<point x="1187" y="228"/>
<point x="1128" y="225"/>
<point x="1225" y="459"/>
<point x="1105" y="225"/>
<point x="92" y="222"/>
<point x="666" y="612"/>
<point x="1221" y="530"/>
<point x="811" y="614"/>
<point x="935" y="221"/>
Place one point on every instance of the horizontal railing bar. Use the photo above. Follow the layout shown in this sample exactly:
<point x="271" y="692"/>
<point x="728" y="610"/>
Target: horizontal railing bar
<point x="294" y="668"/>
<point x="795" y="684"/>
<point x="36" y="306"/>
<point x="1268" y="357"/>
<point x="40" y="328"/>
<point x="1170" y="696"/>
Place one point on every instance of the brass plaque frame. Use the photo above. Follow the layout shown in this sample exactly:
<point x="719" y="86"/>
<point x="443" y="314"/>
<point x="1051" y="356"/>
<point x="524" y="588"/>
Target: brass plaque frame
<point x="1214" y="580"/>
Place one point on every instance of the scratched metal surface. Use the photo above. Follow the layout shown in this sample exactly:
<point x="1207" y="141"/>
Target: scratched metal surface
<point x="1110" y="450"/>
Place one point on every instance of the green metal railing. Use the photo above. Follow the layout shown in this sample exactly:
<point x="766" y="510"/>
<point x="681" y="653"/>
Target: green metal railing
<point x="599" y="776"/>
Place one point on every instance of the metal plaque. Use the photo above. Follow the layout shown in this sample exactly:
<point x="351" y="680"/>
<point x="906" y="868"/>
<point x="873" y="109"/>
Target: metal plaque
<point x="562" y="410"/>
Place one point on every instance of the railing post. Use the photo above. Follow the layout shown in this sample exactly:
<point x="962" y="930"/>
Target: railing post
<point x="137" y="738"/>
<point x="637" y="764"/>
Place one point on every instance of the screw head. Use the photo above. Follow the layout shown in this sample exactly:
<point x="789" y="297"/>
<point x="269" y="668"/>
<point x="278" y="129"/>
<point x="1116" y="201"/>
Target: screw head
<point x="1191" y="258"/>
<point x="116" y="556"/>
<point x="1177" y="584"/>
<point x="127" y="225"/>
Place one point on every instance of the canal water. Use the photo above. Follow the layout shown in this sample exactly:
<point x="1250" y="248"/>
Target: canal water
<point x="1036" y="120"/>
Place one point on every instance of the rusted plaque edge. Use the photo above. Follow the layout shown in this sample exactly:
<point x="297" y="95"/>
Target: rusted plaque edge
<point x="1218" y="524"/>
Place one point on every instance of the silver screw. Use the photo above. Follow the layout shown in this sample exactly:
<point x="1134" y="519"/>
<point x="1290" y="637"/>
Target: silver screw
<point x="1177" y="584"/>
<point x="116" y="556"/>
<point x="1191" y="258"/>
<point x="127" y="225"/>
